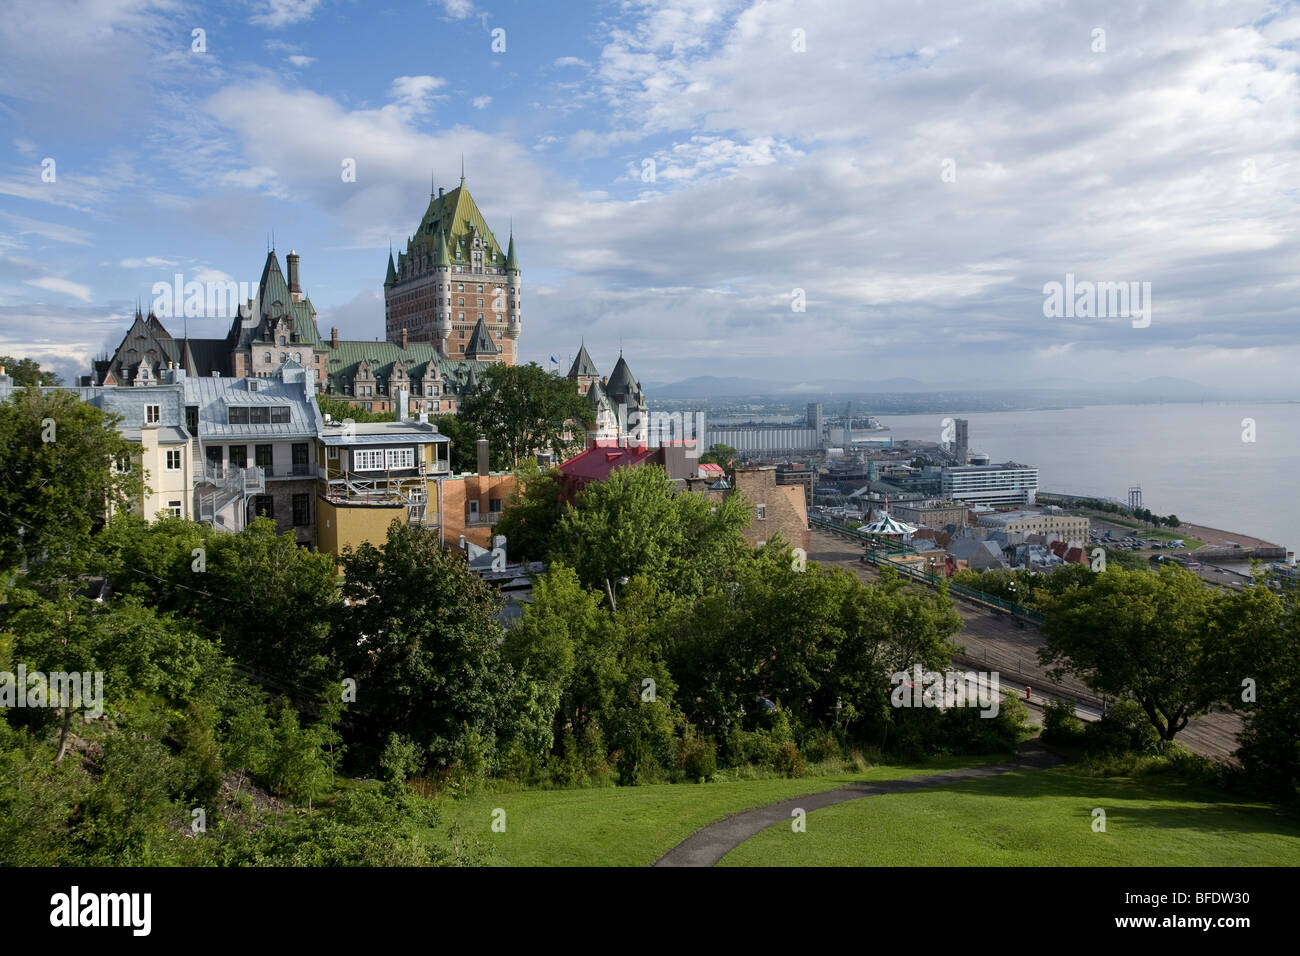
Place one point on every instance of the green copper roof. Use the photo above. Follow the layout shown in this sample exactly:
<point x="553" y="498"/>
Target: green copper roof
<point x="392" y="273"/>
<point x="512" y="263"/>
<point x="456" y="214"/>
<point x="442" y="259"/>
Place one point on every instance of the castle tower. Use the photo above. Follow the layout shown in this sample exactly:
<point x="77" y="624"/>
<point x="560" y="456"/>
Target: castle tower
<point x="452" y="276"/>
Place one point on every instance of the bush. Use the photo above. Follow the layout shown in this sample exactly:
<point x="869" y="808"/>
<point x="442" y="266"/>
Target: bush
<point x="698" y="758"/>
<point x="1061" y="725"/>
<point x="1123" y="730"/>
<point x="789" y="762"/>
<point x="820" y="745"/>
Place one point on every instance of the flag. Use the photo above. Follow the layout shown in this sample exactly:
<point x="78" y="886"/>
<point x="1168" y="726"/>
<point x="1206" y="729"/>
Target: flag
<point x="554" y="360"/>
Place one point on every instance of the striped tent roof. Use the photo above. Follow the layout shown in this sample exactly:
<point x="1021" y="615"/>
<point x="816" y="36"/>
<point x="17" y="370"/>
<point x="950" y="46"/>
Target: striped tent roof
<point x="885" y="523"/>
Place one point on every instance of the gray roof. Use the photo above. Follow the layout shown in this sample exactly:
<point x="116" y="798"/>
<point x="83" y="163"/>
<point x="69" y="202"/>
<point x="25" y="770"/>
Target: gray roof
<point x="166" y="436"/>
<point x="383" y="433"/>
<point x="214" y="395"/>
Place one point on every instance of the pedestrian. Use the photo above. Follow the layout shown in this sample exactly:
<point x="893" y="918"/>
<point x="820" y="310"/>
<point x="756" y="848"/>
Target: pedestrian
<point x="1028" y="692"/>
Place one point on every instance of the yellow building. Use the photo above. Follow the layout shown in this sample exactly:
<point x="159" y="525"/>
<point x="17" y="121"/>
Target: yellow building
<point x="374" y="473"/>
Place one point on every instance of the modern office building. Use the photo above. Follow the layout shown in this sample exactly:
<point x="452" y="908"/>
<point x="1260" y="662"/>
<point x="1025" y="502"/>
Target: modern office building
<point x="1004" y="484"/>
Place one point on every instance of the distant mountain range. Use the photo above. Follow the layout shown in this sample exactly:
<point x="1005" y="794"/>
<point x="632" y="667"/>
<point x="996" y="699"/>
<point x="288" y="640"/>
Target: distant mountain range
<point x="1032" y="392"/>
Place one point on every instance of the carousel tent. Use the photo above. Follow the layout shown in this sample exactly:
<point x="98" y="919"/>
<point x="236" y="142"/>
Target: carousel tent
<point x="886" y="524"/>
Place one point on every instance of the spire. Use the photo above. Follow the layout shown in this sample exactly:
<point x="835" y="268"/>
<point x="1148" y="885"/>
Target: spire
<point x="392" y="273"/>
<point x="462" y="169"/>
<point x="443" y="259"/>
<point x="433" y="185"/>
<point x="512" y="263"/>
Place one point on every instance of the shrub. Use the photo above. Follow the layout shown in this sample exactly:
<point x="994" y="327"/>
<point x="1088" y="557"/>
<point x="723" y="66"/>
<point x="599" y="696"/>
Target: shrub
<point x="698" y="758"/>
<point x="1061" y="725"/>
<point x="1124" y="729"/>
<point x="820" y="745"/>
<point x="789" y="762"/>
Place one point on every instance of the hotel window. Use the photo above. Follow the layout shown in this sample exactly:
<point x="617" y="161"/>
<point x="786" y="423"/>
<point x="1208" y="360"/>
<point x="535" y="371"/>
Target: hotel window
<point x="266" y="356"/>
<point x="238" y="456"/>
<point x="494" y="506"/>
<point x="152" y="414"/>
<point x="262" y="457"/>
<point x="264" y="506"/>
<point x="301" y="510"/>
<point x="174" y="508"/>
<point x="480" y="288"/>
<point x="460" y="301"/>
<point x="173" y="460"/>
<point x="480" y="301"/>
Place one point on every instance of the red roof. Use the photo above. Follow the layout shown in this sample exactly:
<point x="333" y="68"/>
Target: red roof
<point x="709" y="470"/>
<point x="596" y="463"/>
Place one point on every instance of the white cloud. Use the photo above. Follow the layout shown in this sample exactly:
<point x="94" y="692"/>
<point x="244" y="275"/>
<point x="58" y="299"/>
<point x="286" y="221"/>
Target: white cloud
<point x="481" y="102"/>
<point x="570" y="61"/>
<point x="283" y="13"/>
<point x="301" y="61"/>
<point x="62" y="286"/>
<point x="415" y="94"/>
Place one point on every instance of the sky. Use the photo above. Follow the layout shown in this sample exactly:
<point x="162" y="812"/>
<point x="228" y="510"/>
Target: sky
<point x="783" y="189"/>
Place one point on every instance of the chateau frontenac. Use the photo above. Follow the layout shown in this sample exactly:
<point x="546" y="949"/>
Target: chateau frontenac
<point x="454" y="285"/>
<point x="451" y="308"/>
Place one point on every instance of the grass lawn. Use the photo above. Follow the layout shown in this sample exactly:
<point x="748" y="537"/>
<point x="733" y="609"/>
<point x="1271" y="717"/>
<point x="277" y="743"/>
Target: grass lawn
<point x="1173" y="536"/>
<point x="1037" y="818"/>
<point x="634" y="826"/>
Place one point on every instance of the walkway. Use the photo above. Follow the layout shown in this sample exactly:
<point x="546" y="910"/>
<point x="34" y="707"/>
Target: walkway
<point x="708" y="845"/>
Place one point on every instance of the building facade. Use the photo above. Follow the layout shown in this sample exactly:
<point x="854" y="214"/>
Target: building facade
<point x="255" y="450"/>
<point x="371" y="474"/>
<point x="1018" y="525"/>
<point x="619" y="412"/>
<point x="1005" y="484"/>
<point x="452" y="279"/>
<point x="932" y="514"/>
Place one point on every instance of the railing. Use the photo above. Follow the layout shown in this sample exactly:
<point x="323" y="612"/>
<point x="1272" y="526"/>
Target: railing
<point x="879" y="550"/>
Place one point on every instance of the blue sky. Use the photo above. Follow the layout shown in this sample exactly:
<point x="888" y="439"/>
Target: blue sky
<point x="794" y="145"/>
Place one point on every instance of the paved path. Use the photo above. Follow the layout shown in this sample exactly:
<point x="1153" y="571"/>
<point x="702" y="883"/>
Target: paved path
<point x="708" y="845"/>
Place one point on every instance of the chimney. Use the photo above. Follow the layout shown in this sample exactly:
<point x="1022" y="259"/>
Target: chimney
<point x="403" y="340"/>
<point x="334" y="337"/>
<point x="295" y="290"/>
<point x="440" y="192"/>
<point x="482" y="456"/>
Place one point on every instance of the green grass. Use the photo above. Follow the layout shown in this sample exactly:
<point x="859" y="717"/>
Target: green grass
<point x="1037" y="818"/>
<point x="1173" y="536"/>
<point x="634" y="826"/>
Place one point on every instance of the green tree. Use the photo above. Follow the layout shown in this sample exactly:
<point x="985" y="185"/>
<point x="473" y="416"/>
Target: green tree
<point x="531" y="515"/>
<point x="1148" y="636"/>
<point x="58" y="481"/>
<point x="27" y="371"/>
<point x="421" y="638"/>
<point x="719" y="454"/>
<point x="522" y="409"/>
<point x="340" y="410"/>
